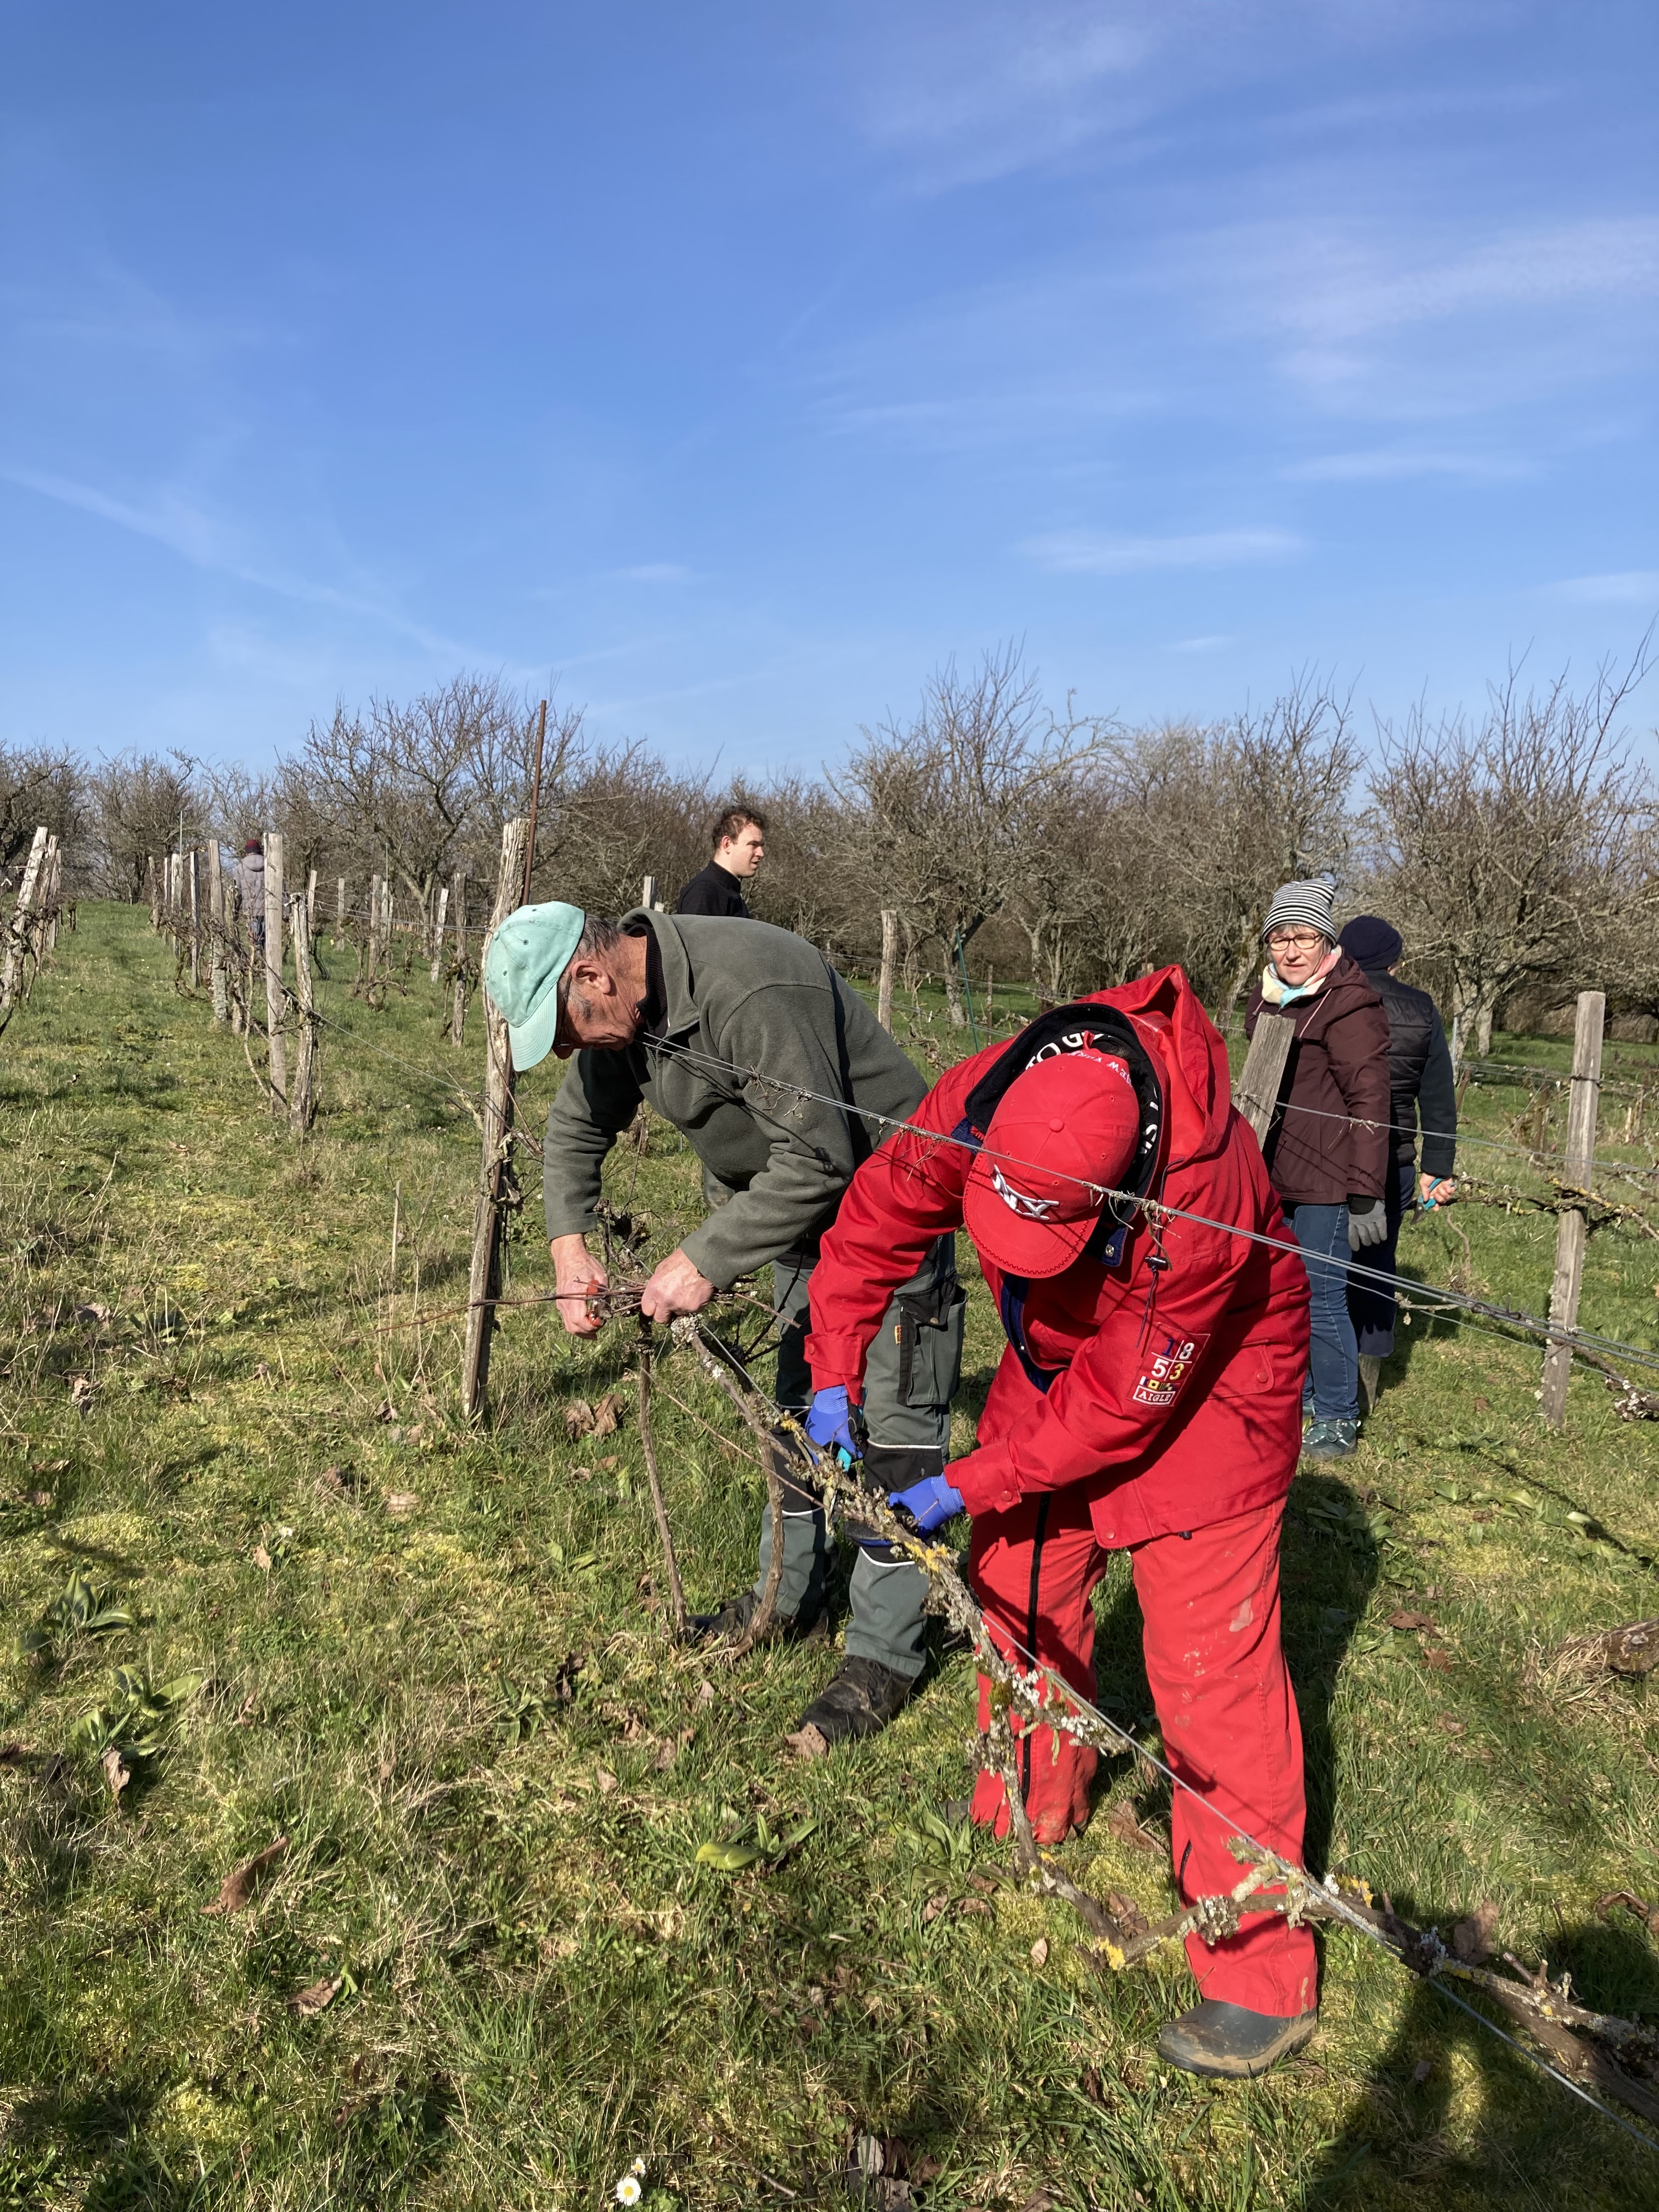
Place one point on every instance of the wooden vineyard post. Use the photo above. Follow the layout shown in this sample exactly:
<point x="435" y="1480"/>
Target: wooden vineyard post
<point x="311" y="902"/>
<point x="1577" y="1170"/>
<point x="216" y="933"/>
<point x="1256" y="1092"/>
<point x="195" y="920"/>
<point x="18" y="942"/>
<point x="51" y="898"/>
<point x="484" y="1284"/>
<point x="438" y="932"/>
<point x="457" y="1004"/>
<point x="274" y="918"/>
<point x="302" y="1098"/>
<point x="648" y="893"/>
<point x="374" y="927"/>
<point x="339" y="906"/>
<point x="153" y="895"/>
<point x="889" y="955"/>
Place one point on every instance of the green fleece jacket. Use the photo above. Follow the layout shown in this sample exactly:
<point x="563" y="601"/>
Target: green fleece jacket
<point x="745" y="997"/>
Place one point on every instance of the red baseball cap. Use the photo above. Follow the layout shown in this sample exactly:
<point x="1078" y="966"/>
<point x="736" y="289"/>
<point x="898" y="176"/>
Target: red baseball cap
<point x="1065" y="1130"/>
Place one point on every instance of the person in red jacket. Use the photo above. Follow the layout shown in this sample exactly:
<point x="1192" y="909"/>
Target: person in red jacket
<point x="1148" y="1399"/>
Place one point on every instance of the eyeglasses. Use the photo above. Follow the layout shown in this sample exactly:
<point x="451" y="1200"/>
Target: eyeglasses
<point x="1294" y="941"/>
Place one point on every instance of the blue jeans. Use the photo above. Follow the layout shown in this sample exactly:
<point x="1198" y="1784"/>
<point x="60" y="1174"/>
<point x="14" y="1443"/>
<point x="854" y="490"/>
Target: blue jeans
<point x="1371" y="1305"/>
<point x="1333" y="1360"/>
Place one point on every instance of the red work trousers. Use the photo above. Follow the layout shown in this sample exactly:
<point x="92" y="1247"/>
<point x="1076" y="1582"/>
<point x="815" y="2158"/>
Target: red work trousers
<point x="1209" y="1606"/>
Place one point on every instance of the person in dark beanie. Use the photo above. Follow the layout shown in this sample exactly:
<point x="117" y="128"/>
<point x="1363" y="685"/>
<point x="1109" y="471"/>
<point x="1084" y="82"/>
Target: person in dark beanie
<point x="739" y="848"/>
<point x="1327" y="1143"/>
<point x="1422" y="1090"/>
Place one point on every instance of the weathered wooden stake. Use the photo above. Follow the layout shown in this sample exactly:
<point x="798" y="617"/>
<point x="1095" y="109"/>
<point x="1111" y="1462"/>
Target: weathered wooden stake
<point x="302" y="1098"/>
<point x="195" y="920"/>
<point x="485" y="1282"/>
<point x="339" y="906"/>
<point x="310" y="900"/>
<point x="457" y="1004"/>
<point x="53" y="900"/>
<point x="535" y="803"/>
<point x="1256" y="1092"/>
<point x="888" y="956"/>
<point x="216" y="933"/>
<point x="648" y="893"/>
<point x="1578" y="1169"/>
<point x="373" y="926"/>
<point x="18" y="942"/>
<point x="274" y="919"/>
<point x="438" y="932"/>
<point x="152" y="893"/>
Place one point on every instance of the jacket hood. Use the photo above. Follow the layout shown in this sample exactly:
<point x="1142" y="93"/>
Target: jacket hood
<point x="1191" y="1054"/>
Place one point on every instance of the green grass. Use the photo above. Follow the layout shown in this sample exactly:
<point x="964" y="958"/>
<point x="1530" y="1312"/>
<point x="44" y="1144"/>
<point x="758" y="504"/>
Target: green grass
<point x="495" y="1772"/>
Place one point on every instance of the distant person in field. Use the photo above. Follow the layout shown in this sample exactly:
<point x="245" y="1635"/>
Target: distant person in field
<point x="250" y="880"/>
<point x="1423" y="1090"/>
<point x="680" y="1011"/>
<point x="739" y="848"/>
<point x="1327" y="1143"/>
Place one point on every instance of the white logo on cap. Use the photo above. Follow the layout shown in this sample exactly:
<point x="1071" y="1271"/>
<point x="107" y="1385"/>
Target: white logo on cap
<point x="1031" y="1209"/>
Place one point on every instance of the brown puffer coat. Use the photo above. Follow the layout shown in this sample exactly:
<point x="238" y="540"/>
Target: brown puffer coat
<point x="1329" y="1141"/>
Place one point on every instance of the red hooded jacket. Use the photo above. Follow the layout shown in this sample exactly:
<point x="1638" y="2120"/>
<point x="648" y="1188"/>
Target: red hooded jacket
<point x="1173" y="1391"/>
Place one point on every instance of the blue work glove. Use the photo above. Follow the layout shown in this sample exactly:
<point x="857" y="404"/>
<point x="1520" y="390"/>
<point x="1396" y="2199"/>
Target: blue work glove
<point x="829" y="1423"/>
<point x="927" y="1505"/>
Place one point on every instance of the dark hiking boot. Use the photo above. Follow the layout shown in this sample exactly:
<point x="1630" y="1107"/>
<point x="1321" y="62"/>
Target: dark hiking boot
<point x="731" y="1623"/>
<point x="860" y="1700"/>
<point x="1231" y="2041"/>
<point x="1331" y="1440"/>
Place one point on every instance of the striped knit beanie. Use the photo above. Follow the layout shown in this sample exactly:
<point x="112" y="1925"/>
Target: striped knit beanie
<point x="1304" y="906"/>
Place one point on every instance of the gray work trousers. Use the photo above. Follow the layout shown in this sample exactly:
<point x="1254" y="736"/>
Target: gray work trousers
<point x="910" y="1377"/>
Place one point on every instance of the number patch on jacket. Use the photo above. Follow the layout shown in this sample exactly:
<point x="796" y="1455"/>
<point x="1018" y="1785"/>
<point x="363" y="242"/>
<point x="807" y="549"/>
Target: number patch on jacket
<point x="1160" y="1383"/>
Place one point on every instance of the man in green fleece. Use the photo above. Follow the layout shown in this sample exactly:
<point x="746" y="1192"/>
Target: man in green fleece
<point x="693" y="1014"/>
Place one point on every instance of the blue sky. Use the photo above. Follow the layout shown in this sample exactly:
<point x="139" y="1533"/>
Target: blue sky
<point x="735" y="364"/>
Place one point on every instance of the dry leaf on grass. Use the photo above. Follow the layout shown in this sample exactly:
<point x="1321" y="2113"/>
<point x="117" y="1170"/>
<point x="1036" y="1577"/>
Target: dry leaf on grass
<point x="1440" y="1659"/>
<point x="607" y="1780"/>
<point x="1472" y="1939"/>
<point x="1124" y="1827"/>
<point x="578" y="1419"/>
<point x="1126" y="1913"/>
<point x="1630" y="1902"/>
<point x="1040" y="1951"/>
<point x="1410" y="1620"/>
<point x="237" y="1888"/>
<point x="40" y="1498"/>
<point x="261" y="1558"/>
<point x="318" y="1997"/>
<point x="81" y="1388"/>
<point x="401" y="1501"/>
<point x="934" y="1906"/>
<point x="607" y="1415"/>
<point x="671" y="1747"/>
<point x="809" y="1742"/>
<point x="116" y="1772"/>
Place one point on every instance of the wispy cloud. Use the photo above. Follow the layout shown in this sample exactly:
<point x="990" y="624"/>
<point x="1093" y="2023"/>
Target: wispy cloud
<point x="655" y="572"/>
<point x="1203" y="644"/>
<point x="1092" y="553"/>
<point x="1389" y="463"/>
<point x="1624" y="588"/>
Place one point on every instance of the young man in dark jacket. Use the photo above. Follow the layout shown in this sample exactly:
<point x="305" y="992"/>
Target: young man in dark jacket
<point x="739" y="848"/>
<point x="1148" y="1400"/>
<point x="691" y="1014"/>
<point x="1422" y="1087"/>
<point x="1327" y="1144"/>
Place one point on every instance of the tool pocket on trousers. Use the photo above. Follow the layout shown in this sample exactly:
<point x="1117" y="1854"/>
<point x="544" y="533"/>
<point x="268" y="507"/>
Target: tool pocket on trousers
<point x="928" y="1333"/>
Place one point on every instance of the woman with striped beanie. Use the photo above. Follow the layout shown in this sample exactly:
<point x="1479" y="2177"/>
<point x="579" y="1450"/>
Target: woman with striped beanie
<point x="1327" y="1144"/>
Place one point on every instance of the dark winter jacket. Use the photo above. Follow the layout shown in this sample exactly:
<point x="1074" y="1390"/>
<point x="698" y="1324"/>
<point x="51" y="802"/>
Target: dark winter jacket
<point x="1420" y="1074"/>
<point x="1329" y="1140"/>
<point x="1163" y="1372"/>
<point x="713" y="890"/>
<point x="739" y="1005"/>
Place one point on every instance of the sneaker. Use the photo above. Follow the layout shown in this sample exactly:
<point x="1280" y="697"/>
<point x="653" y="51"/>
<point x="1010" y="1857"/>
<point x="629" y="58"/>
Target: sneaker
<point x="1230" y="2040"/>
<point x="858" y="1701"/>
<point x="731" y="1624"/>
<point x="1330" y="1440"/>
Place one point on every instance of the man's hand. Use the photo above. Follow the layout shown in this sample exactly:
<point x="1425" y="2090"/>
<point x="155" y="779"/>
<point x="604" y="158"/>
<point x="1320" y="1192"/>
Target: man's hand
<point x="1368" y="1223"/>
<point x="576" y="1275"/>
<point x="831" y="1421"/>
<point x="927" y="1505"/>
<point x="1431" y="1193"/>
<point x="676" y="1287"/>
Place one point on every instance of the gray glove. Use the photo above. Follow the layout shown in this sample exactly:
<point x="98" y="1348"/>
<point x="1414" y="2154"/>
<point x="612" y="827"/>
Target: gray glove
<point x="1368" y="1223"/>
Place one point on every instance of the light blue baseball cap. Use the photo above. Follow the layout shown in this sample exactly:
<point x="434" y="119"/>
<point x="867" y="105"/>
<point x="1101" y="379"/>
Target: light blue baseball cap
<point x="528" y="954"/>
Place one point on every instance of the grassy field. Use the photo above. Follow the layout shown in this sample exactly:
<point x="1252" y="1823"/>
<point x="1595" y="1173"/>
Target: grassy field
<point x="489" y="1969"/>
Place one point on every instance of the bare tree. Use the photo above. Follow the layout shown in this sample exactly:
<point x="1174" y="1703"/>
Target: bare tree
<point x="38" y="784"/>
<point x="140" y="806"/>
<point x="1512" y="850"/>
<point x="935" y="806"/>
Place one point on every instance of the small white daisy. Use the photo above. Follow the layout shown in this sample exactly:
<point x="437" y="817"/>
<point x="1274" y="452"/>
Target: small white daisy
<point x="638" y="2167"/>
<point x="628" y="2189"/>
